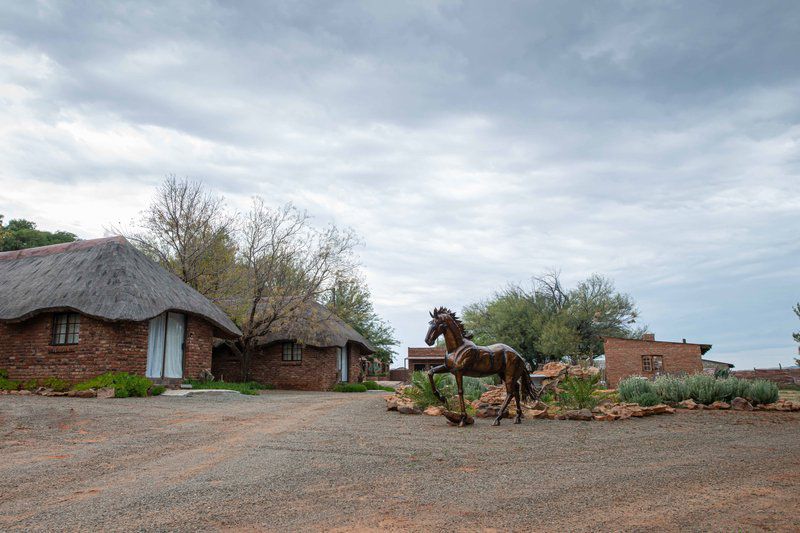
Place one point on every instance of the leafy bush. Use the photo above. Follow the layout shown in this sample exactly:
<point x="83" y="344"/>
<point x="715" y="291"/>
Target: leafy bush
<point x="3" y="373"/>
<point x="647" y="399"/>
<point x="125" y="384"/>
<point x="247" y="387"/>
<point x="30" y="385"/>
<point x="578" y="393"/>
<point x="763" y="391"/>
<point x="670" y="389"/>
<point x="58" y="385"/>
<point x="349" y="387"/>
<point x="731" y="388"/>
<point x="474" y="387"/>
<point x="421" y="393"/>
<point x="703" y="388"/>
<point x="722" y="373"/>
<point x="631" y="388"/>
<point x="8" y="384"/>
<point x="155" y="390"/>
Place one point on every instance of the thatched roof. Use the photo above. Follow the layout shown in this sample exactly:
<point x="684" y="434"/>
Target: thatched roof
<point x="103" y="278"/>
<point x="315" y="325"/>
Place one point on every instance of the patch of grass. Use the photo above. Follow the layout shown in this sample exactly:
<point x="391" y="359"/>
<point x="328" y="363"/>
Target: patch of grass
<point x="421" y="393"/>
<point x="793" y="395"/>
<point x="247" y="387"/>
<point x="58" y="385"/>
<point x="349" y="387"/>
<point x="125" y="385"/>
<point x="371" y="385"/>
<point x="157" y="389"/>
<point x="3" y="373"/>
<point x="30" y="385"/>
<point x="8" y="384"/>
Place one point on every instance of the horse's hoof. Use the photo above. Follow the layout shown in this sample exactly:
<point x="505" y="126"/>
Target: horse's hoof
<point x="517" y="420"/>
<point x="496" y="423"/>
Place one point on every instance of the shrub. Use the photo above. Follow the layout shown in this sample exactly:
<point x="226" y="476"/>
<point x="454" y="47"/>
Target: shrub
<point x="763" y="391"/>
<point x="349" y="387"/>
<point x="579" y="392"/>
<point x="3" y="373"/>
<point x="722" y="373"/>
<point x="8" y="384"/>
<point x="125" y="384"/>
<point x="703" y="388"/>
<point x="474" y="387"/>
<point x="731" y="388"/>
<point x="633" y="387"/>
<point x="30" y="385"/>
<point x="647" y="399"/>
<point x="157" y="389"/>
<point x="421" y="393"/>
<point x="670" y="389"/>
<point x="58" y="385"/>
<point x="371" y="385"/>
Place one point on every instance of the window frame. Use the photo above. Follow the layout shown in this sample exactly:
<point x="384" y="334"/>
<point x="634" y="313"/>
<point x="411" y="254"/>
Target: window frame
<point x="72" y="329"/>
<point x="292" y="352"/>
<point x="660" y="366"/>
<point x="647" y="363"/>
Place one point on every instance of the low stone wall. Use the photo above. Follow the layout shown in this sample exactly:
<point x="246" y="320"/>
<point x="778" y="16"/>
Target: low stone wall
<point x="784" y="375"/>
<point x="399" y="374"/>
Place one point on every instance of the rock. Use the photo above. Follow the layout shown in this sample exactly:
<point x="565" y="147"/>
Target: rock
<point x="740" y="404"/>
<point x="689" y="404"/>
<point x="603" y="417"/>
<point x="553" y="370"/>
<point x="579" y="414"/>
<point x="583" y="372"/>
<point x="535" y="413"/>
<point x="89" y="393"/>
<point x="494" y="396"/>
<point x="391" y="402"/>
<point x="434" y="410"/>
<point x="406" y="406"/>
<point x="454" y="418"/>
<point x="24" y="392"/>
<point x="106" y="392"/>
<point x="720" y="405"/>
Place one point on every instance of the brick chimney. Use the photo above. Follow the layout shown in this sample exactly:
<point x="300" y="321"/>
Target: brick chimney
<point x="649" y="337"/>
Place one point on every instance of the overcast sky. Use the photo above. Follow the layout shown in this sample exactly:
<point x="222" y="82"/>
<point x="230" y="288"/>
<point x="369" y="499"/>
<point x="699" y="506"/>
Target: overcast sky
<point x="470" y="144"/>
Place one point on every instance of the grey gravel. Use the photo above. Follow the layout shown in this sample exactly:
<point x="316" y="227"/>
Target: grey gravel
<point x="307" y="461"/>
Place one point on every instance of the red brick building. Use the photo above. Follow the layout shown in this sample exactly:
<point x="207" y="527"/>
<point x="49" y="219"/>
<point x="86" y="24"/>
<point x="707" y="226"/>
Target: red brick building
<point x="313" y="351"/>
<point x="77" y="310"/>
<point x="649" y="357"/>
<point x="425" y="358"/>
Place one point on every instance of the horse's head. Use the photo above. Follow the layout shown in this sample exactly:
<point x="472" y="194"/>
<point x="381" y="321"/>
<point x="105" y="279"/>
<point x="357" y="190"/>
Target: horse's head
<point x="436" y="327"/>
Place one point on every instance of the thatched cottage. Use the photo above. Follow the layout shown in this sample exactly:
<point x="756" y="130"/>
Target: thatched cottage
<point x="80" y="309"/>
<point x="313" y="351"/>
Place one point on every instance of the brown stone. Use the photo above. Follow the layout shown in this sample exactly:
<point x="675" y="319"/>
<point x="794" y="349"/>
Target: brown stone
<point x="689" y="404"/>
<point x="89" y="393"/>
<point x="720" y="405"/>
<point x="391" y="402"/>
<point x="106" y="392"/>
<point x="579" y="414"/>
<point x="494" y="396"/>
<point x="24" y="392"/>
<point x="740" y="404"/>
<point x="553" y="370"/>
<point x="434" y="410"/>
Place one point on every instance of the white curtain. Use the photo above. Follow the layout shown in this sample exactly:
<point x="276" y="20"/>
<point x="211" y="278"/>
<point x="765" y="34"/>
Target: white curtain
<point x="343" y="369"/>
<point x="155" y="347"/>
<point x="173" y="359"/>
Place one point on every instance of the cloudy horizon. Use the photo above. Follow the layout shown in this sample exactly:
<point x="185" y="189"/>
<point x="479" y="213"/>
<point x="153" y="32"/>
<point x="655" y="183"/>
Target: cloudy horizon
<point x="469" y="145"/>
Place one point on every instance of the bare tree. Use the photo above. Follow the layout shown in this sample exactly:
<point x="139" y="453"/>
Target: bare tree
<point x="287" y="263"/>
<point x="187" y="230"/>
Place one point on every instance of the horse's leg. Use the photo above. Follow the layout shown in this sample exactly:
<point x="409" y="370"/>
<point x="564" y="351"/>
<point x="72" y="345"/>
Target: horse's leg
<point x="441" y="369"/>
<point x="460" y="385"/>
<point x="518" y="418"/>
<point x="504" y="407"/>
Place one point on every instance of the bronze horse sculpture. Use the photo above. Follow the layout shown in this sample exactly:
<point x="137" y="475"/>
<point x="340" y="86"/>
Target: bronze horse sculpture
<point x="465" y="358"/>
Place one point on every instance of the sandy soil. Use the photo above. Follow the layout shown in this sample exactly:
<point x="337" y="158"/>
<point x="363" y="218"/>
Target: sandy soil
<point x="309" y="461"/>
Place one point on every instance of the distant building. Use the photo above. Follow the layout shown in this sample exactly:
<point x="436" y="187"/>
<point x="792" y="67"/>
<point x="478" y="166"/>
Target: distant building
<point x="708" y="364"/>
<point x="425" y="358"/>
<point x="648" y="357"/>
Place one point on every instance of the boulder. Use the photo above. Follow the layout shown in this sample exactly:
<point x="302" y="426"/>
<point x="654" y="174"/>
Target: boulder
<point x="406" y="406"/>
<point x="24" y="392"/>
<point x="689" y="404"/>
<point x="434" y="410"/>
<point x="553" y="370"/>
<point x="89" y="393"/>
<point x="579" y="414"/>
<point x="494" y="396"/>
<point x="106" y="392"/>
<point x="605" y="417"/>
<point x="720" y="405"/>
<point x="535" y="413"/>
<point x="391" y="402"/>
<point x="740" y="404"/>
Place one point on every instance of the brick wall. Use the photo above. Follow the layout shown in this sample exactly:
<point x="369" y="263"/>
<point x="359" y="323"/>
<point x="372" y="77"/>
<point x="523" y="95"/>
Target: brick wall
<point x="316" y="371"/>
<point x="624" y="358"/>
<point x="26" y="353"/>
<point x="785" y="375"/>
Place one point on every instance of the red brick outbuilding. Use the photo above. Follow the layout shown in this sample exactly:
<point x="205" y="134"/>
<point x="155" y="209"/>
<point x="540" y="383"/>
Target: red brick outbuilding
<point x="77" y="310"/>
<point x="649" y="358"/>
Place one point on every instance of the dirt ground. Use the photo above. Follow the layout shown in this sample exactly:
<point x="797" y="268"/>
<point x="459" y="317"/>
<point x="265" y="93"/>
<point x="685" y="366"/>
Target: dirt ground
<point x="310" y="461"/>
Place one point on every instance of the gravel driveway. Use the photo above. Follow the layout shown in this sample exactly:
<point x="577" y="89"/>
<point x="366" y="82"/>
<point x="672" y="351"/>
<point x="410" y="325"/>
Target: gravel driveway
<point x="289" y="461"/>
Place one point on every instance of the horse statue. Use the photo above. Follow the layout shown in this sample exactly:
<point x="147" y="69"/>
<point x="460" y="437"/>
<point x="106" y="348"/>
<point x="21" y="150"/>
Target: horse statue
<point x="465" y="358"/>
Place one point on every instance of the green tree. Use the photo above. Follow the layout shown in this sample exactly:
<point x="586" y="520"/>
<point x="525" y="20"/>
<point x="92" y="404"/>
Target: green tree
<point x="20" y="233"/>
<point x="549" y="322"/>
<point x="350" y="299"/>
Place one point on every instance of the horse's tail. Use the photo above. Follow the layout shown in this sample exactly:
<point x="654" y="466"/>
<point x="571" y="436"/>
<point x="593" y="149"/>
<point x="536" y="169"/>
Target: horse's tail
<point x="526" y="385"/>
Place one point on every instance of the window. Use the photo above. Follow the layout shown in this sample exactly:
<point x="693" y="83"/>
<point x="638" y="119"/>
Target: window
<point x="647" y="364"/>
<point x="658" y="363"/>
<point x="165" y="346"/>
<point x="292" y="351"/>
<point x="66" y="328"/>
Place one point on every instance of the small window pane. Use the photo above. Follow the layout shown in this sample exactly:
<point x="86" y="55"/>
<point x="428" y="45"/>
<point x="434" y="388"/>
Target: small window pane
<point x="646" y="365"/>
<point x="66" y="328"/>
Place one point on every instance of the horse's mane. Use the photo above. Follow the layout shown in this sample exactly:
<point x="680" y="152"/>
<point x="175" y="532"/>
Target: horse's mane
<point x="445" y="311"/>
